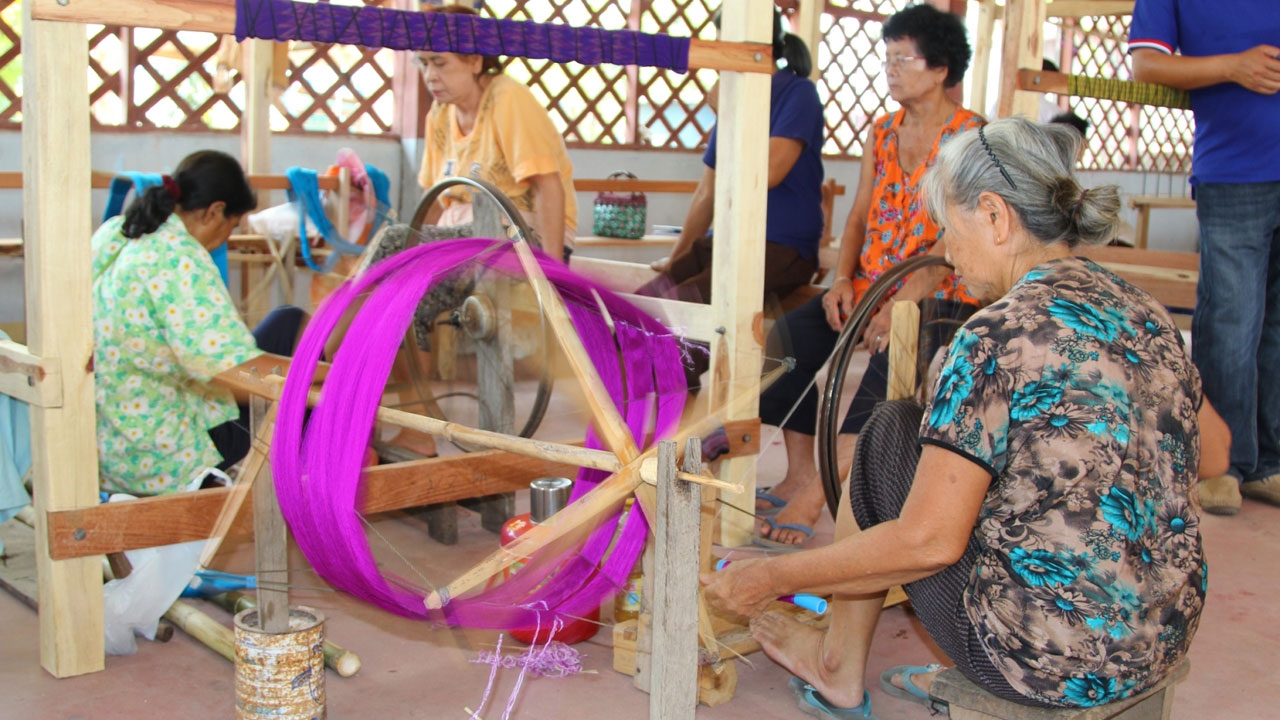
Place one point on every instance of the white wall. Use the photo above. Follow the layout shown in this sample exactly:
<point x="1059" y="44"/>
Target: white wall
<point x="1170" y="229"/>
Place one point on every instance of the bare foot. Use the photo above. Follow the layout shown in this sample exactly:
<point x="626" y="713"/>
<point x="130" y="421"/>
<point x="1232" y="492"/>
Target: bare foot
<point x="799" y="648"/>
<point x="803" y="509"/>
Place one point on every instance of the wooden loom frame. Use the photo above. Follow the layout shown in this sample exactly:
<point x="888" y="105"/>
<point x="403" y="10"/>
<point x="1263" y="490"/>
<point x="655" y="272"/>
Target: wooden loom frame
<point x="53" y="373"/>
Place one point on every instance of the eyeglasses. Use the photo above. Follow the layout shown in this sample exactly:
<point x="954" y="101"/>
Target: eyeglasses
<point x="900" y="61"/>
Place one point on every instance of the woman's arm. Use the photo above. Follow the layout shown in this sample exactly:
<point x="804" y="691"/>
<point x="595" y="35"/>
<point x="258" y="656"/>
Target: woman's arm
<point x="548" y="209"/>
<point x="1256" y="69"/>
<point x="1215" y="442"/>
<point x="697" y="221"/>
<point x="932" y="533"/>
<point x="839" y="300"/>
<point x="783" y="154"/>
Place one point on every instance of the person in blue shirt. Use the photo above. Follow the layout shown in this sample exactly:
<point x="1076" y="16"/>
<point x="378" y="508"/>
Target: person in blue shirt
<point x="1230" y="62"/>
<point x="794" y="219"/>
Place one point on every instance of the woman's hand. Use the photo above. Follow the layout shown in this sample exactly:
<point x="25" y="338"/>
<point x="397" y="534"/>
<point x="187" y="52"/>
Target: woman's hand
<point x="838" y="302"/>
<point x="742" y="588"/>
<point x="661" y="265"/>
<point x="876" y="337"/>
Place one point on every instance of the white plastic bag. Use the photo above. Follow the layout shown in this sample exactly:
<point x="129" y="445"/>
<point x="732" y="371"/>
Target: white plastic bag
<point x="136" y="603"/>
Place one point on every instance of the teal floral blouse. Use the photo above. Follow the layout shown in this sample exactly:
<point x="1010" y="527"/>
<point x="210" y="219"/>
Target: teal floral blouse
<point x="163" y="327"/>
<point x="1076" y="393"/>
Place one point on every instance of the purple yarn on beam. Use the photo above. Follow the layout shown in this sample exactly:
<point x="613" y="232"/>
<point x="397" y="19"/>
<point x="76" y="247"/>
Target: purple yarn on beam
<point x="317" y="468"/>
<point x="377" y="27"/>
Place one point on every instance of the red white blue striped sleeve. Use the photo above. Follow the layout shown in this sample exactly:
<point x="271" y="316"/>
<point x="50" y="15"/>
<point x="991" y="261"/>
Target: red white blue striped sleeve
<point x="1154" y="26"/>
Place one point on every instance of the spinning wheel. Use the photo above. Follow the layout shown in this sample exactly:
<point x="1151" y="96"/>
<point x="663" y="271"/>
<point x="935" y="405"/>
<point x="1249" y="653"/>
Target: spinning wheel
<point x="485" y="322"/>
<point x="830" y="401"/>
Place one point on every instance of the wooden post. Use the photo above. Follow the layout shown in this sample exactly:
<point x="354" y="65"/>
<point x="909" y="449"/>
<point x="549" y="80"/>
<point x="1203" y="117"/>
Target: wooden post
<point x="737" y="272"/>
<point x="674" y="687"/>
<point x="270" y="538"/>
<point x="808" y="26"/>
<point x="56" y="213"/>
<point x="904" y="344"/>
<point x="982" y="56"/>
<point x="1023" y="48"/>
<point x="255" y="150"/>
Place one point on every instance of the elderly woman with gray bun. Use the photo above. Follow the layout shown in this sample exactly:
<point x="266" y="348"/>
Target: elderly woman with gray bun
<point x="1038" y="511"/>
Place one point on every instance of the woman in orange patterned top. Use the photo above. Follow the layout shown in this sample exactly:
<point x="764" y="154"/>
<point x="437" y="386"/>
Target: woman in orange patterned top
<point x="925" y="54"/>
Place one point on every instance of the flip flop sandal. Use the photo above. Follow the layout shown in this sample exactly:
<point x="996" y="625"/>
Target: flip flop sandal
<point x="811" y="702"/>
<point x="777" y="503"/>
<point x="909" y="691"/>
<point x="767" y="541"/>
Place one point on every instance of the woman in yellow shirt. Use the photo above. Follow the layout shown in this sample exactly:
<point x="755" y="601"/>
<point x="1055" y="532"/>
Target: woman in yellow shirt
<point x="485" y="125"/>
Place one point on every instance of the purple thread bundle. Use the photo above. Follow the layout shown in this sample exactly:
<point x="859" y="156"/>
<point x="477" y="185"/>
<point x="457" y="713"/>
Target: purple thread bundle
<point x="440" y="32"/>
<point x="317" y="468"/>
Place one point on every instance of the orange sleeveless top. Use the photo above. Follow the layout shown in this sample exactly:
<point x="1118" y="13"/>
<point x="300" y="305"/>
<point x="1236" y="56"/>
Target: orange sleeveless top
<point x="898" y="226"/>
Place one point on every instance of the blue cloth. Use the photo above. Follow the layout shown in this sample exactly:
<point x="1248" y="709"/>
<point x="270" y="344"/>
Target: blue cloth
<point x="139" y="182"/>
<point x="15" y="455"/>
<point x="1237" y="130"/>
<point x="1236" y="328"/>
<point x="305" y="191"/>
<point x="795" y="204"/>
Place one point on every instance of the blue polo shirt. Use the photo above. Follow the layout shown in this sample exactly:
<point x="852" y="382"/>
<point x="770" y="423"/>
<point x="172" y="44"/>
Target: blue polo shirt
<point x="1237" y="130"/>
<point x="794" y="213"/>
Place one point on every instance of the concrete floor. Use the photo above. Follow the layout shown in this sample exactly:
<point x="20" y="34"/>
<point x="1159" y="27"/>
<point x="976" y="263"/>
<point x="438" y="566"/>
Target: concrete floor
<point x="411" y="670"/>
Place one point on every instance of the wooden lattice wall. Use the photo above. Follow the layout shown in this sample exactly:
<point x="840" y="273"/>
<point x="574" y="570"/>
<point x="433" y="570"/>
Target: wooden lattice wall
<point x="148" y="79"/>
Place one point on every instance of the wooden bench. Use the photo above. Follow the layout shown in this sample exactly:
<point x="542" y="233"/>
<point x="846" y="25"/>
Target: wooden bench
<point x="967" y="701"/>
<point x="1170" y="277"/>
<point x="1144" y="204"/>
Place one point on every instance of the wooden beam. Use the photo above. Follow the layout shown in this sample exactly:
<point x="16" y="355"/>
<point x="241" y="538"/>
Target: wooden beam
<point x="625" y="185"/>
<point x="904" y="344"/>
<point x="676" y="593"/>
<point x="1023" y="48"/>
<point x="219" y="16"/>
<point x="1089" y="8"/>
<point x="737" y="272"/>
<point x="1042" y="81"/>
<point x="59" y="307"/>
<point x="982" y="55"/>
<point x="270" y="536"/>
<point x="31" y="379"/>
<point x="167" y="519"/>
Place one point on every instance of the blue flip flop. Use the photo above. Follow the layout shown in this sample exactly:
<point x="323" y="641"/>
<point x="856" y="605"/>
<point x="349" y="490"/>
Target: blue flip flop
<point x="767" y="541"/>
<point x="777" y="503"/>
<point x="909" y="691"/>
<point x="811" y="702"/>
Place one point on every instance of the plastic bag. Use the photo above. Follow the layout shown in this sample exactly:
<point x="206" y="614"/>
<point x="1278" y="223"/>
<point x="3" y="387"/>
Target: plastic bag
<point x="136" y="603"/>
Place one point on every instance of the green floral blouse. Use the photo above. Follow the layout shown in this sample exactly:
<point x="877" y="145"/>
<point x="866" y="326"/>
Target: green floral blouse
<point x="163" y="327"/>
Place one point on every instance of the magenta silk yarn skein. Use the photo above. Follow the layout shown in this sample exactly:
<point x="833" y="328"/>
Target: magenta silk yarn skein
<point x="316" y="464"/>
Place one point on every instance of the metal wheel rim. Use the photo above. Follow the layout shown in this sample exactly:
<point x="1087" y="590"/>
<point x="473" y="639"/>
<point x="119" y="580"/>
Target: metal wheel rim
<point x="829" y="401"/>
<point x="523" y="234"/>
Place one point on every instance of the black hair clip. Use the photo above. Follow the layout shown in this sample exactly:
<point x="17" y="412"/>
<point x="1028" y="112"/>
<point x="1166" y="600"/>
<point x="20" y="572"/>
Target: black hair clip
<point x="999" y="165"/>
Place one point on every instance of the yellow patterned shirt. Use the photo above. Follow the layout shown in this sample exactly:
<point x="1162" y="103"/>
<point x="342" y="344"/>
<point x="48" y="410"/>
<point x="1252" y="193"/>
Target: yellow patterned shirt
<point x="513" y="140"/>
<point x="163" y="327"/>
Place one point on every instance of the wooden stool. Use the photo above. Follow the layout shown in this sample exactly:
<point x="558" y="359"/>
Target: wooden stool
<point x="969" y="702"/>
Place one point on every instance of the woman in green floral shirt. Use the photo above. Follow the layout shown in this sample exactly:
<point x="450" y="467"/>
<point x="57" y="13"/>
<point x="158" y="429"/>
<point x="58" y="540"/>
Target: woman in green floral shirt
<point x="1039" y="511"/>
<point x="165" y="327"/>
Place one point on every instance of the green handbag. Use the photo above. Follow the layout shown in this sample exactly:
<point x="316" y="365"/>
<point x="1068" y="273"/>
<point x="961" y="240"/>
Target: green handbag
<point x="620" y="216"/>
